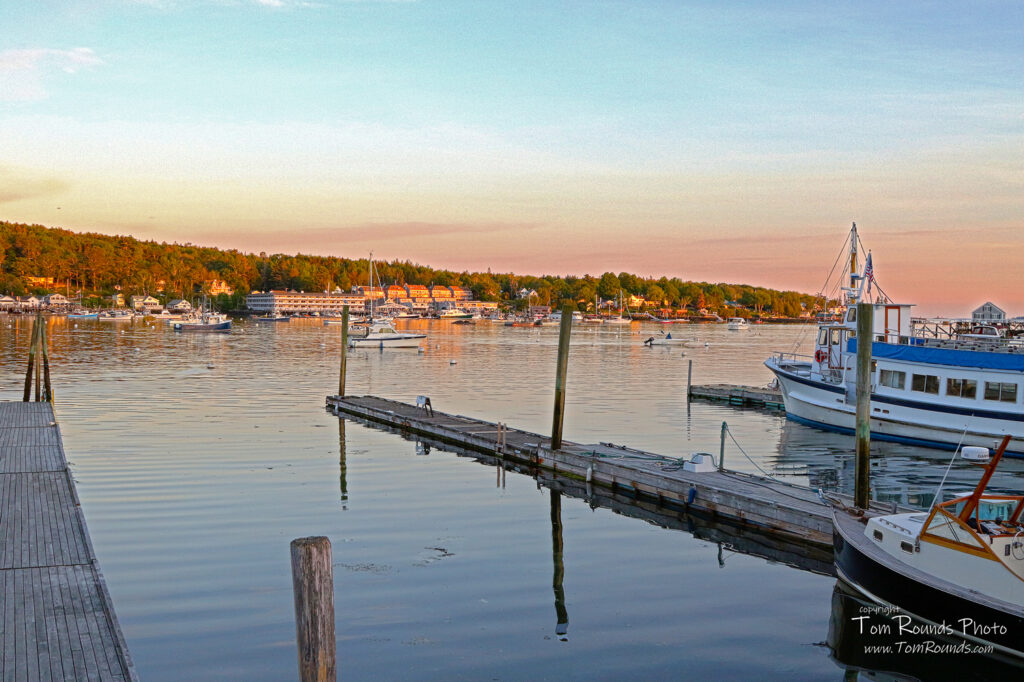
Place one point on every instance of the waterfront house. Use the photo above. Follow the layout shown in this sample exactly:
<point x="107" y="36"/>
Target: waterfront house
<point x="116" y="299"/>
<point x="461" y="293"/>
<point x="8" y="302"/>
<point x="179" y="305"/>
<point x="28" y="302"/>
<point x="218" y="286"/>
<point x="394" y="292"/>
<point x="143" y="302"/>
<point x="989" y="312"/>
<point x="54" y="301"/>
<point x="417" y="291"/>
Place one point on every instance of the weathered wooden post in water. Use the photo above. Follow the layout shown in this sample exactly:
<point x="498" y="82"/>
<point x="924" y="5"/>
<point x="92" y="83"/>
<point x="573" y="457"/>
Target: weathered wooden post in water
<point x="862" y="490"/>
<point x="38" y="364"/>
<point x="313" y="584"/>
<point x="344" y="351"/>
<point x="562" y="366"/>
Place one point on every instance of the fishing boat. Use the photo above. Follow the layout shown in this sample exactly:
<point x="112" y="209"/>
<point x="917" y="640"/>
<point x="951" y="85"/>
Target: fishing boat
<point x="272" y="318"/>
<point x="83" y="315"/>
<point x="737" y="324"/>
<point x="382" y="335"/>
<point x="958" y="568"/>
<point x="203" y="320"/>
<point x="932" y="384"/>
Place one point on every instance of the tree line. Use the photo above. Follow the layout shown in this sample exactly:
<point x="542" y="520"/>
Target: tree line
<point x="97" y="265"/>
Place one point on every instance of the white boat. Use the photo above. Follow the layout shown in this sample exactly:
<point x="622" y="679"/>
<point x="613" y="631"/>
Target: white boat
<point x="959" y="567"/>
<point x="115" y="316"/>
<point x="455" y="314"/>
<point x="932" y="384"/>
<point x="378" y="333"/>
<point x="737" y="323"/>
<point x="383" y="335"/>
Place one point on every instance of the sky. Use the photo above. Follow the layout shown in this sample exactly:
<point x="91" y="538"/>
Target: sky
<point x="712" y="141"/>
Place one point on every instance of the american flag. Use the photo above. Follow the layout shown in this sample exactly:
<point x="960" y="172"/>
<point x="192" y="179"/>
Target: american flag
<point x="869" y="273"/>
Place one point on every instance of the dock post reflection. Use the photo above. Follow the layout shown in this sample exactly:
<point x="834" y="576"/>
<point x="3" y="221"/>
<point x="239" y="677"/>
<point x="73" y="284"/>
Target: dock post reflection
<point x="562" y="626"/>
<point x="342" y="464"/>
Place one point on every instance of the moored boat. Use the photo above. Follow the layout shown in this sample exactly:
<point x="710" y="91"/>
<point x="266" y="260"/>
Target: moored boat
<point x="737" y="324"/>
<point x="934" y="385"/>
<point x="958" y="567"/>
<point x="383" y="335"/>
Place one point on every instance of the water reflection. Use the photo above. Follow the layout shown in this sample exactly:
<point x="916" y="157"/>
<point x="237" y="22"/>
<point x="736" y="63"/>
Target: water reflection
<point x="342" y="464"/>
<point x="562" y="615"/>
<point x="863" y="639"/>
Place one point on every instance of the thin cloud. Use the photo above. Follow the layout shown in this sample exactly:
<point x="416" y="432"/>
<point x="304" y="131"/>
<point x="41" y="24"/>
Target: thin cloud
<point x="16" y="187"/>
<point x="23" y="72"/>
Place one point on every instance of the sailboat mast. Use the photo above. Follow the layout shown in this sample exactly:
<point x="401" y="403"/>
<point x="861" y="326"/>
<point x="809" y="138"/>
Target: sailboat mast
<point x="853" y="257"/>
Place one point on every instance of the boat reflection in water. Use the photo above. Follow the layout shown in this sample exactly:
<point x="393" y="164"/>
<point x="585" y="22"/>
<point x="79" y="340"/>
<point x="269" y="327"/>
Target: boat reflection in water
<point x="865" y="638"/>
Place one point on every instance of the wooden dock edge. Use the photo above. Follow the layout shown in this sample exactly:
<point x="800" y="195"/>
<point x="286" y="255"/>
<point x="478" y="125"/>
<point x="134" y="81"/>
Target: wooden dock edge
<point x="708" y="492"/>
<point x="101" y="581"/>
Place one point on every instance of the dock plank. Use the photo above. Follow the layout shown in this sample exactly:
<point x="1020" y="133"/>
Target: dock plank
<point x="56" y="613"/>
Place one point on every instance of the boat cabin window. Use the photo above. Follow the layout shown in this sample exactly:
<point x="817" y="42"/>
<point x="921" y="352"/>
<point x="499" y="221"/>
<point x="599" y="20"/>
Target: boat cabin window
<point x="962" y="388"/>
<point x="877" y="535"/>
<point x="851" y="315"/>
<point x="1003" y="392"/>
<point x="836" y="336"/>
<point x="907" y="547"/>
<point x="823" y="337"/>
<point x="925" y="383"/>
<point x="892" y="378"/>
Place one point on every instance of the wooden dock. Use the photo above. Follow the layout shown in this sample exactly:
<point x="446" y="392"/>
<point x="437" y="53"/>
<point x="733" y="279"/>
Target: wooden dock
<point x="57" y="620"/>
<point x="746" y="396"/>
<point x="790" y="511"/>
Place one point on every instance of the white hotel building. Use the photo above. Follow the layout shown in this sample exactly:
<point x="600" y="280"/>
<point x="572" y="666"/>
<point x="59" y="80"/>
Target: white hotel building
<point x="276" y="302"/>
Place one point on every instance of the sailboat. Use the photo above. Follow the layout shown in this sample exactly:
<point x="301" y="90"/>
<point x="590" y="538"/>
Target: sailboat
<point x="381" y="333"/>
<point x="620" y="319"/>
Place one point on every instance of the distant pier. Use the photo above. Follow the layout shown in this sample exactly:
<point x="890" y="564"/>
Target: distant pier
<point x="791" y="512"/>
<point x="58" y="620"/>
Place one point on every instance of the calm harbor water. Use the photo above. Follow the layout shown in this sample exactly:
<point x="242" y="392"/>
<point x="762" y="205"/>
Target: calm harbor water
<point x="199" y="458"/>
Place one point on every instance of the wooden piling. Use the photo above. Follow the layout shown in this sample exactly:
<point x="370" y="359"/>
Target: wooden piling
<point x="689" y="379"/>
<point x="344" y="351"/>
<point x="862" y="484"/>
<point x="562" y="366"/>
<point x="721" y="448"/>
<point x="313" y="585"/>
<point x="32" y="369"/>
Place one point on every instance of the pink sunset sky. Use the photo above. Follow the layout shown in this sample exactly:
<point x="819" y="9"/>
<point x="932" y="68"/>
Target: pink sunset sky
<point x="701" y="141"/>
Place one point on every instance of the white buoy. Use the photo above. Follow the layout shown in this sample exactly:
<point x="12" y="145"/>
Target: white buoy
<point x="451" y="362"/>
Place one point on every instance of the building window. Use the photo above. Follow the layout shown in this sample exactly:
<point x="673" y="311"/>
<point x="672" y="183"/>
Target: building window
<point x="892" y="378"/>
<point x="925" y="383"/>
<point x="1003" y="392"/>
<point x="962" y="388"/>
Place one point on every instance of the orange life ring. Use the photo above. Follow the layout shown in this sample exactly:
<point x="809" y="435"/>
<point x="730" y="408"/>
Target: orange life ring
<point x="820" y="355"/>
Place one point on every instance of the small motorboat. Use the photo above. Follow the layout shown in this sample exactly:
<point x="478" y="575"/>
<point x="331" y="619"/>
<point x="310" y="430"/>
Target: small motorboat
<point x="958" y="566"/>
<point x="665" y="340"/>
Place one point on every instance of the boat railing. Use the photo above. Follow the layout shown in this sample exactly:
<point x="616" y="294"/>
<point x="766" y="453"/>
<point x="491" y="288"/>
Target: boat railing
<point x="782" y="359"/>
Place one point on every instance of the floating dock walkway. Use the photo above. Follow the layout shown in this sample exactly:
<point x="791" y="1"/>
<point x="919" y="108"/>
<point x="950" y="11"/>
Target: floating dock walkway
<point x="57" y="619"/>
<point x="746" y="396"/>
<point x="794" y="512"/>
